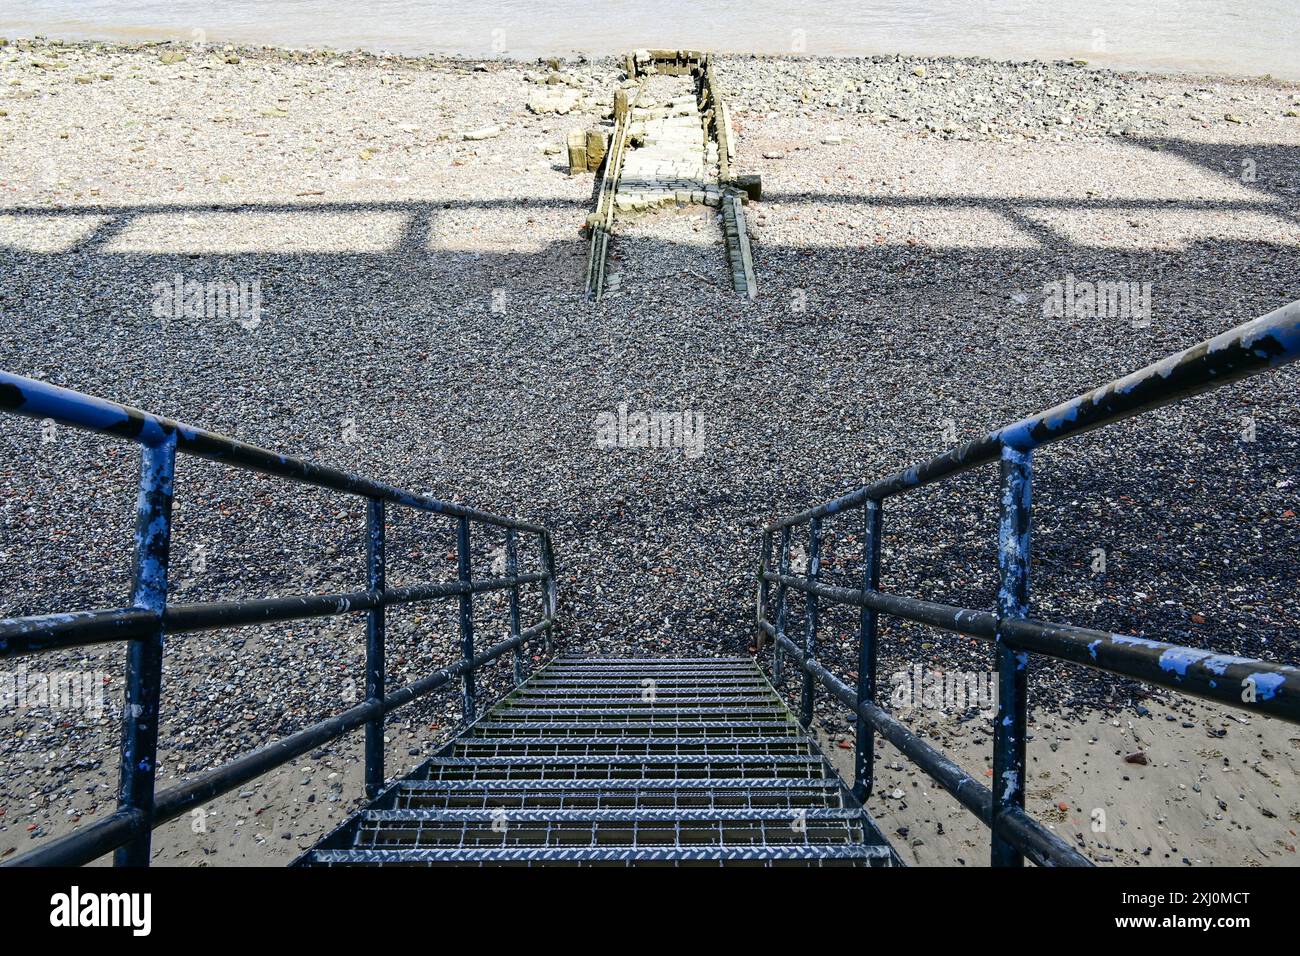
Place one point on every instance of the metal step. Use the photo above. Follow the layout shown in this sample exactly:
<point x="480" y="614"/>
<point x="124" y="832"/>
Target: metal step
<point x="684" y="686"/>
<point x="577" y="768"/>
<point x="620" y="761"/>
<point x="658" y="747"/>
<point x="848" y="855"/>
<point x="502" y="827"/>
<point x="665" y="713"/>
<point x="617" y="703"/>
<point x="550" y="729"/>
<point x="788" y="794"/>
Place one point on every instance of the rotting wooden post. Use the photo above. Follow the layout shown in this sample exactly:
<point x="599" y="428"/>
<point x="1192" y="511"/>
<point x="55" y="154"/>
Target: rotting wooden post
<point x="597" y="145"/>
<point x="746" y="257"/>
<point x="577" y="152"/>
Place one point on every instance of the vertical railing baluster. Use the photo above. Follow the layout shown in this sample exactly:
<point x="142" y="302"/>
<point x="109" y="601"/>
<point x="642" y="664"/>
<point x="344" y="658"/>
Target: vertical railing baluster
<point x="466" y="617"/>
<point x="139" y="757"/>
<point x="810" y="604"/>
<point x="760" y="613"/>
<point x="550" y="594"/>
<point x="864" y="750"/>
<point x="783" y="569"/>
<point x="1013" y="602"/>
<point x="512" y="571"/>
<point x="375" y="621"/>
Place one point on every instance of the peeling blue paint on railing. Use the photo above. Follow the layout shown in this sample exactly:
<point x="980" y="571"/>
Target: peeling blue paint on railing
<point x="1268" y="342"/>
<point x="1267" y="688"/>
<point x="149" y="618"/>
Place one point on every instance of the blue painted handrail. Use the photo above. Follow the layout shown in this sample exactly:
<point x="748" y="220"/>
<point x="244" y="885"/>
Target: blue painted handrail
<point x="1269" y="689"/>
<point x="149" y="617"/>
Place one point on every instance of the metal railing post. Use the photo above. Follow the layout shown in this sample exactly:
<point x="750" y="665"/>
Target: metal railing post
<point x="783" y="569"/>
<point x="810" y="632"/>
<point x="1013" y="602"/>
<point x="466" y="616"/>
<point x="139" y="758"/>
<point x="760" y="612"/>
<point x="864" y="747"/>
<point x="512" y="571"/>
<point x="550" y="594"/>
<point x="375" y="620"/>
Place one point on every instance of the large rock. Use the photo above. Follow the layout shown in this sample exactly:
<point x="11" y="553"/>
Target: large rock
<point x="751" y="184"/>
<point x="558" y="101"/>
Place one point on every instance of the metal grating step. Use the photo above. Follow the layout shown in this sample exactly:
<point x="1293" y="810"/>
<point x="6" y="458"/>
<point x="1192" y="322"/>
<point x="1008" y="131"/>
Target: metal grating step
<point x="501" y="827"/>
<point x="847" y="855"/>
<point x="682" y="700"/>
<point x="664" y="713"/>
<point x="696" y="730"/>
<point x="577" y="768"/>
<point x="620" y="761"/>
<point x="645" y="687"/>
<point x="790" y="794"/>
<point x="661" y="748"/>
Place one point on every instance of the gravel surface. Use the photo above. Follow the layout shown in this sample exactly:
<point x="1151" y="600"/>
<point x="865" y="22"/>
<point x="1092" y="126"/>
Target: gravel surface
<point x="424" y="324"/>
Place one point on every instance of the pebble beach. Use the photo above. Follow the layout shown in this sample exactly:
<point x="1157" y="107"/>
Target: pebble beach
<point x="416" y="245"/>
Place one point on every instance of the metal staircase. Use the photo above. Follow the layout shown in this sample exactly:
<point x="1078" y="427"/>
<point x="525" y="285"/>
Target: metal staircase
<point x="620" y="761"/>
<point x="632" y="760"/>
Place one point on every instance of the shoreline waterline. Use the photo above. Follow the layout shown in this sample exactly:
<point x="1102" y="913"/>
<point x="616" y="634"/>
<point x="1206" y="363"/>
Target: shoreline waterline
<point x="1182" y="37"/>
<point x="614" y="58"/>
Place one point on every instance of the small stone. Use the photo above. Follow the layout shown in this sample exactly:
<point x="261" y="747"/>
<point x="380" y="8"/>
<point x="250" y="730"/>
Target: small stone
<point x="487" y="132"/>
<point x="1136" y="757"/>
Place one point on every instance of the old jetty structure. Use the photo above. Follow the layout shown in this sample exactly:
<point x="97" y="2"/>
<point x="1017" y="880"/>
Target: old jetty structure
<point x="671" y="146"/>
